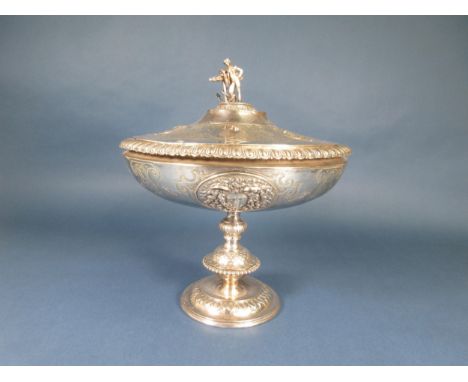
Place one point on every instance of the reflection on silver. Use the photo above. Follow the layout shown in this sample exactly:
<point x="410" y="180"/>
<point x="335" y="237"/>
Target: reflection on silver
<point x="233" y="160"/>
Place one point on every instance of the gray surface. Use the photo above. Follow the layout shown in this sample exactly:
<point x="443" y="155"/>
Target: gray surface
<point x="91" y="264"/>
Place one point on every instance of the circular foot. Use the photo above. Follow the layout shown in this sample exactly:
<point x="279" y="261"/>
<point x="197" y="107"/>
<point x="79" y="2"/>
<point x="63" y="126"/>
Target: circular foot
<point x="254" y="304"/>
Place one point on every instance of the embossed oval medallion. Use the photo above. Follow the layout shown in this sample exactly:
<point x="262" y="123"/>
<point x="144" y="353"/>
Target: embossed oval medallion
<point x="236" y="192"/>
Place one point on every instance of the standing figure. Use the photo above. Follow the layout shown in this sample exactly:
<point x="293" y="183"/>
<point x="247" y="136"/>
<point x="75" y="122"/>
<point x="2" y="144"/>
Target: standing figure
<point x="231" y="77"/>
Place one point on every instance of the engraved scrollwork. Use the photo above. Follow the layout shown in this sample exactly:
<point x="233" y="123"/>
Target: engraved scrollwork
<point x="326" y="179"/>
<point x="187" y="185"/>
<point x="288" y="187"/>
<point x="148" y="175"/>
<point x="236" y="192"/>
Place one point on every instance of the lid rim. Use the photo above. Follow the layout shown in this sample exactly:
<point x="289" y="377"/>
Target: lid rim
<point x="233" y="151"/>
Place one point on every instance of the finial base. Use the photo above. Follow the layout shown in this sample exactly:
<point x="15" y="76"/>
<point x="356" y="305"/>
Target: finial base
<point x="206" y="301"/>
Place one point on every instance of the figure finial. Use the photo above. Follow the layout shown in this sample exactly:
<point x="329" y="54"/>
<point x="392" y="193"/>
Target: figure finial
<point x="230" y="76"/>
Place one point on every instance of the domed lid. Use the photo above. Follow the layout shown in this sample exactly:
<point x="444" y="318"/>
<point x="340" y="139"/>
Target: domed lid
<point x="234" y="130"/>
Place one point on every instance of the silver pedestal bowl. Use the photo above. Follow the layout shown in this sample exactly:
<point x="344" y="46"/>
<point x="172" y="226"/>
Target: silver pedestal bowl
<point x="233" y="160"/>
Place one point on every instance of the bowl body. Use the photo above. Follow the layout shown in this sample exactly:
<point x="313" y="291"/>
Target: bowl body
<point x="235" y="185"/>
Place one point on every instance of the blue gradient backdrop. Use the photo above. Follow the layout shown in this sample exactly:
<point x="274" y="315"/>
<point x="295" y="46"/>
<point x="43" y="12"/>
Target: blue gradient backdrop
<point x="92" y="265"/>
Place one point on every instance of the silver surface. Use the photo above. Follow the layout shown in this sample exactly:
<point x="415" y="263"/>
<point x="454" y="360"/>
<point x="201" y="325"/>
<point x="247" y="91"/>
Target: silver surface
<point x="183" y="182"/>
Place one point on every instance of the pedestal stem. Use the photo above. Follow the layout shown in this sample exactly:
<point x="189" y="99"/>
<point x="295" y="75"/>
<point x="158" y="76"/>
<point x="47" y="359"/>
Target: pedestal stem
<point x="230" y="286"/>
<point x="230" y="298"/>
<point x="232" y="227"/>
<point x="231" y="260"/>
